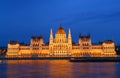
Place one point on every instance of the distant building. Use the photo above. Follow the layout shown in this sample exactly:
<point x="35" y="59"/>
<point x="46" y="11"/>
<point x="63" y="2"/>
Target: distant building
<point x="61" y="46"/>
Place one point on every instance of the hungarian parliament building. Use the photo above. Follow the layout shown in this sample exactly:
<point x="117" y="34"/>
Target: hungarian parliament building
<point x="61" y="45"/>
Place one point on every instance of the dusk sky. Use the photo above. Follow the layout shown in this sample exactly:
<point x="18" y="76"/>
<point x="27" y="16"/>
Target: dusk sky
<point x="21" y="19"/>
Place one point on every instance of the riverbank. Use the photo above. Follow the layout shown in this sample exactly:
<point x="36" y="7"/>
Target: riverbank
<point x="35" y="58"/>
<point x="96" y="59"/>
<point x="71" y="59"/>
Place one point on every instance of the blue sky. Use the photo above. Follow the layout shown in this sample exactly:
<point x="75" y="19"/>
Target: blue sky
<point x="20" y="19"/>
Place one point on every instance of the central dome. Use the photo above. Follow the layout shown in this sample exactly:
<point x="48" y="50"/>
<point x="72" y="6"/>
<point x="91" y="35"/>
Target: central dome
<point x="60" y="30"/>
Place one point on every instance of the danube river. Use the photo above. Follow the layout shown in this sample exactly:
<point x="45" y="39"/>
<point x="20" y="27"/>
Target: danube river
<point x="58" y="69"/>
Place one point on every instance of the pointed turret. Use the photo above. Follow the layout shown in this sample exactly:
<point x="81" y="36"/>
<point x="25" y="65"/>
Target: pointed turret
<point x="69" y="42"/>
<point x="69" y="37"/>
<point x="69" y="33"/>
<point x="51" y="34"/>
<point x="51" y="37"/>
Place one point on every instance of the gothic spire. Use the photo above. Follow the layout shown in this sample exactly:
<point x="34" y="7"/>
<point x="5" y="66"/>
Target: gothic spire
<point x="69" y="37"/>
<point x="51" y="34"/>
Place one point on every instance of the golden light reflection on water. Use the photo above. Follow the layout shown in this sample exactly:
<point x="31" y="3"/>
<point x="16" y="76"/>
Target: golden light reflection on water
<point x="58" y="69"/>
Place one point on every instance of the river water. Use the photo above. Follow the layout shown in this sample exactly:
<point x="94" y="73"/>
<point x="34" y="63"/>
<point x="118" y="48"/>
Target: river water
<point x="58" y="69"/>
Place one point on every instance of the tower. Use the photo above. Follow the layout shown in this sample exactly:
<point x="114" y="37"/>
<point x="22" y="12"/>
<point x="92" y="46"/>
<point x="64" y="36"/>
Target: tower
<point x="51" y="42"/>
<point x="84" y="40"/>
<point x="60" y="35"/>
<point x="69" y="42"/>
<point x="51" y="37"/>
<point x="69" y="37"/>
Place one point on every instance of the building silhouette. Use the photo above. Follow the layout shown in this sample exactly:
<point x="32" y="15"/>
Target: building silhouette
<point x="61" y="45"/>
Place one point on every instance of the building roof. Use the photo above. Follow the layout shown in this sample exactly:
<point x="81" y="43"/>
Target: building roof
<point x="60" y="30"/>
<point x="87" y="37"/>
<point x="13" y="42"/>
<point x="37" y="37"/>
<point x="23" y="44"/>
<point x="108" y="41"/>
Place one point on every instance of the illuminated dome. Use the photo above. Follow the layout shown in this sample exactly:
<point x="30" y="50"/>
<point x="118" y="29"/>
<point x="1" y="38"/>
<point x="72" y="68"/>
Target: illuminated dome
<point x="60" y="30"/>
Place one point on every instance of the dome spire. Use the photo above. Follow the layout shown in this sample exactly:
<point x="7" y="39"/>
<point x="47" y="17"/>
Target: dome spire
<point x="60" y="25"/>
<point x="60" y="30"/>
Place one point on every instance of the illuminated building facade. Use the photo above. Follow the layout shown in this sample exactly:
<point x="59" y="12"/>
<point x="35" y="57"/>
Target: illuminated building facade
<point x="61" y="45"/>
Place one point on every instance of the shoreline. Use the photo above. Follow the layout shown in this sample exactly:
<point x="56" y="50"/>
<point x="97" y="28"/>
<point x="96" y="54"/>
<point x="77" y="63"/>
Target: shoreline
<point x="71" y="59"/>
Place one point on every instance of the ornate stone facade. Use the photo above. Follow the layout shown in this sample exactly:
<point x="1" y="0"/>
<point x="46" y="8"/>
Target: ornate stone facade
<point x="61" y="46"/>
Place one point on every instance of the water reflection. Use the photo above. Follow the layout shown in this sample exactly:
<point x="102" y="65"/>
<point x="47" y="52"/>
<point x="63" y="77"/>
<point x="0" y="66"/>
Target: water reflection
<point x="60" y="69"/>
<point x="57" y="69"/>
<point x="94" y="70"/>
